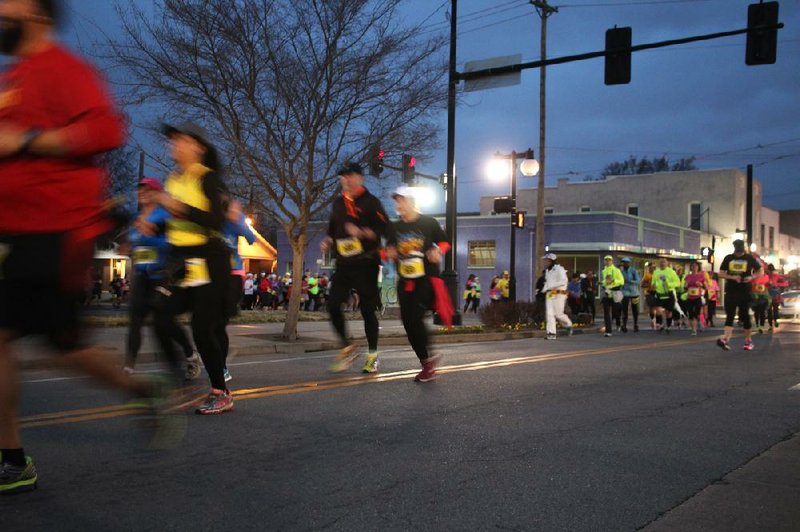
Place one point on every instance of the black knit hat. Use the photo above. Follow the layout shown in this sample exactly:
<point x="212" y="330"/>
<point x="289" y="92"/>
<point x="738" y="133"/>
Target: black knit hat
<point x="351" y="168"/>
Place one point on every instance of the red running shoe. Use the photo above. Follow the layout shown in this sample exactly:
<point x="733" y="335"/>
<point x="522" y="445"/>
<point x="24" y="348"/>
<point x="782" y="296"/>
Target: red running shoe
<point x="428" y="372"/>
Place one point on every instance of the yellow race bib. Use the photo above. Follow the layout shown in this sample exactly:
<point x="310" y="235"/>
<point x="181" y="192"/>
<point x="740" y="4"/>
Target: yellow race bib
<point x="412" y="268"/>
<point x="349" y="247"/>
<point x="759" y="288"/>
<point x="737" y="266"/>
<point x="145" y="255"/>
<point x="196" y="273"/>
<point x="694" y="291"/>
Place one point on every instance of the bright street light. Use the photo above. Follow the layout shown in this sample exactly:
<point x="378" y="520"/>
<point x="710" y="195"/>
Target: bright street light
<point x="529" y="167"/>
<point x="498" y="169"/>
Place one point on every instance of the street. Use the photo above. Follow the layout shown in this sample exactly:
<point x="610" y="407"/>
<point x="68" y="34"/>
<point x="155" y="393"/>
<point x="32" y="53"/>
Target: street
<point x="584" y="433"/>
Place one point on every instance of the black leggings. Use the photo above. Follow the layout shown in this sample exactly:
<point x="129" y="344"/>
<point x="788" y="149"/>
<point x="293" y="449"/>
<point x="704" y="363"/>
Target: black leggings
<point x="415" y="297"/>
<point x="610" y="310"/>
<point x="141" y="305"/>
<point x="208" y="305"/>
<point x="712" y="309"/>
<point x="737" y="304"/>
<point x="633" y="301"/>
<point x="760" y="306"/>
<point x="363" y="277"/>
<point x="774" y="312"/>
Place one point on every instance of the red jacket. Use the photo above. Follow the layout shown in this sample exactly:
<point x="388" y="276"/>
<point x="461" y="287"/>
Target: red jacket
<point x="55" y="89"/>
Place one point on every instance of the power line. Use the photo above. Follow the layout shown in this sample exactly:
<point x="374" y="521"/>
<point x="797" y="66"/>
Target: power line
<point x="432" y="14"/>
<point x="636" y="4"/>
<point x="509" y="19"/>
<point x="481" y="14"/>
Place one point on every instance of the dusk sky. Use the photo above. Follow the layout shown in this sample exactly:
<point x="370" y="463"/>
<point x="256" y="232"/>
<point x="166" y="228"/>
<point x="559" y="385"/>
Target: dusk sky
<point x="697" y="99"/>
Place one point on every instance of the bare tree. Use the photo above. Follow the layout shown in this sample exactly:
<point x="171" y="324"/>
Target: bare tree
<point x="122" y="176"/>
<point x="289" y="88"/>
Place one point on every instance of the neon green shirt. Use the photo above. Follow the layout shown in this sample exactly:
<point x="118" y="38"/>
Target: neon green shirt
<point x="616" y="281"/>
<point x="665" y="281"/>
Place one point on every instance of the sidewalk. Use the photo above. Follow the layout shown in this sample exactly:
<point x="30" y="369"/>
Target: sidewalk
<point x="264" y="338"/>
<point x="763" y="494"/>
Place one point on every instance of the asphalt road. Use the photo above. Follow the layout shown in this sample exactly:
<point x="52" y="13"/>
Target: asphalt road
<point x="585" y="433"/>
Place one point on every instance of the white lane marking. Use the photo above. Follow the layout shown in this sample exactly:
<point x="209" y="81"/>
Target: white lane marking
<point x="795" y="388"/>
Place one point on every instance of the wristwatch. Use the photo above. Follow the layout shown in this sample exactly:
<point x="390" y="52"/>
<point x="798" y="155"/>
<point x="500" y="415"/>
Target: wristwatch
<point x="27" y="139"/>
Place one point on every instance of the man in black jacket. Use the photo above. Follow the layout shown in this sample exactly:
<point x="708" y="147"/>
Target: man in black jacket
<point x="358" y="221"/>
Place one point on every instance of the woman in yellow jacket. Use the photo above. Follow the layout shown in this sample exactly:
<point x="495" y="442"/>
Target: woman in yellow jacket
<point x="612" y="280"/>
<point x="199" y="258"/>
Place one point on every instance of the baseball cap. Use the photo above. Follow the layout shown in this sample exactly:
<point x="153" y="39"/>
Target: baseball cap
<point x="151" y="182"/>
<point x="625" y="259"/>
<point x="404" y="191"/>
<point x="608" y="257"/>
<point x="187" y="128"/>
<point x="350" y="168"/>
<point x="550" y="256"/>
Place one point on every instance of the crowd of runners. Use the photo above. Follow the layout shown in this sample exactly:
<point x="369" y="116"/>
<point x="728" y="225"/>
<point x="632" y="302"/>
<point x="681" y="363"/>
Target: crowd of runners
<point x="184" y="247"/>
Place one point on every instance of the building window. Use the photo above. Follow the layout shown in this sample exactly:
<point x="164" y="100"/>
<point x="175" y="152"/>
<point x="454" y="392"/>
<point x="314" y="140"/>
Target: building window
<point x="695" y="215"/>
<point x="633" y="209"/>
<point x="482" y="253"/>
<point x="771" y="237"/>
<point x="549" y="210"/>
<point x="585" y="208"/>
<point x="762" y="241"/>
<point x="327" y="260"/>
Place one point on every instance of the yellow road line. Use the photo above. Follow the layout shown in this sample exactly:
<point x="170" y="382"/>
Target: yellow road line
<point x="111" y="411"/>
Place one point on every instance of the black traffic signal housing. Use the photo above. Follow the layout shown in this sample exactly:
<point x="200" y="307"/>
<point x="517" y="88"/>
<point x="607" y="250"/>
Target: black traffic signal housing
<point x="518" y="219"/>
<point x="409" y="164"/>
<point x="375" y="162"/>
<point x="618" y="64"/>
<point x="503" y="205"/>
<point x="762" y="44"/>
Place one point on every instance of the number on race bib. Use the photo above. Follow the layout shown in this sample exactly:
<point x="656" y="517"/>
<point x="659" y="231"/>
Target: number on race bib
<point x="349" y="247"/>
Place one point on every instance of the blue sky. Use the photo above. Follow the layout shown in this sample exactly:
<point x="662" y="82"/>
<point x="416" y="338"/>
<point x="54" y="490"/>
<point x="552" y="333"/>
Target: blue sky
<point x="697" y="99"/>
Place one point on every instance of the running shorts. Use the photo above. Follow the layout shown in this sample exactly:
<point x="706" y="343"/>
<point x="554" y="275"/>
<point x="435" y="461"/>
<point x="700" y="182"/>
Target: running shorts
<point x="666" y="302"/>
<point x="43" y="283"/>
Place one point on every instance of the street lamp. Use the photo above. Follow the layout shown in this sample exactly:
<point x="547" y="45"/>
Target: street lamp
<point x="529" y="167"/>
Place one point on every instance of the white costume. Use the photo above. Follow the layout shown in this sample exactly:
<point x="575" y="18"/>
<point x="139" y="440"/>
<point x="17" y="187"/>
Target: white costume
<point x="555" y="290"/>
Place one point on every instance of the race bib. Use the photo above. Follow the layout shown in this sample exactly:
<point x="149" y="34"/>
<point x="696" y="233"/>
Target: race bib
<point x="145" y="255"/>
<point x="5" y="249"/>
<point x="694" y="291"/>
<point x="349" y="247"/>
<point x="412" y="268"/>
<point x="737" y="266"/>
<point x="552" y="294"/>
<point x="759" y="288"/>
<point x="196" y="273"/>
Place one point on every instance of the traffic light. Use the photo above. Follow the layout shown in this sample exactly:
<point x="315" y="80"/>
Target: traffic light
<point x="762" y="44"/>
<point x="518" y="219"/>
<point x="618" y="64"/>
<point x="375" y="156"/>
<point x="503" y="205"/>
<point x="705" y="251"/>
<point x="409" y="162"/>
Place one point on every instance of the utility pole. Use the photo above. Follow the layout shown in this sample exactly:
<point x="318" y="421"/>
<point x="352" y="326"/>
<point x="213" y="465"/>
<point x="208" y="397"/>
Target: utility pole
<point x="544" y="10"/>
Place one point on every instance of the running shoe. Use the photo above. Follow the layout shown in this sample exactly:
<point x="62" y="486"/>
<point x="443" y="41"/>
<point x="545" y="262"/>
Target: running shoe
<point x="635" y="328"/>
<point x="760" y="330"/>
<point x="227" y="374"/>
<point x="694" y="333"/>
<point x="624" y="328"/>
<point x="193" y="367"/>
<point x="748" y="346"/>
<point x="371" y="364"/>
<point x="569" y="330"/>
<point x="128" y="370"/>
<point x="721" y="342"/>
<point x="17" y="479"/>
<point x="667" y="330"/>
<point x="344" y="359"/>
<point x="163" y="416"/>
<point x="428" y="372"/>
<point x="550" y="337"/>
<point x="607" y="335"/>
<point x="217" y="402"/>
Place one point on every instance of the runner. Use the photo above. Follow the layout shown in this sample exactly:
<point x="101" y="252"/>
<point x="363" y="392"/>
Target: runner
<point x="199" y="258"/>
<point x="650" y="293"/>
<point x="761" y="300"/>
<point x="149" y="255"/>
<point x="555" y="290"/>
<point x="712" y="299"/>
<point x="665" y="281"/>
<point x="612" y="280"/>
<point x="589" y="294"/>
<point x="738" y="269"/>
<point x="51" y="185"/>
<point x="417" y="242"/>
<point x="504" y="287"/>
<point x="695" y="285"/>
<point x="777" y="283"/>
<point x="235" y="226"/>
<point x="358" y="221"/>
<point x="630" y="294"/>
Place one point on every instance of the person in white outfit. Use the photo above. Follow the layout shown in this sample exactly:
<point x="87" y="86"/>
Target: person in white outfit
<point x="555" y="292"/>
